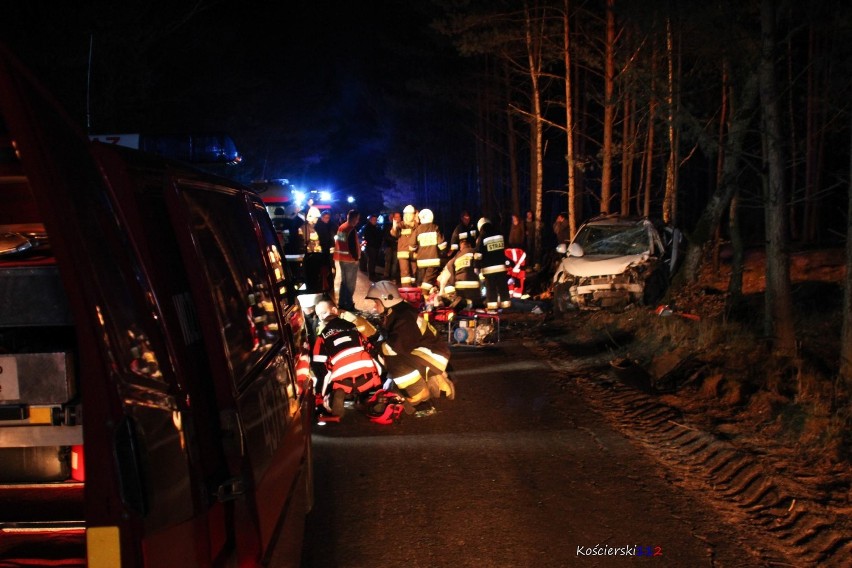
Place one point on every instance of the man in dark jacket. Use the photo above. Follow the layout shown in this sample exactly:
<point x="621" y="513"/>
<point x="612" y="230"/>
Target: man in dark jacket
<point x="373" y="238"/>
<point x="464" y="230"/>
<point x="390" y="238"/>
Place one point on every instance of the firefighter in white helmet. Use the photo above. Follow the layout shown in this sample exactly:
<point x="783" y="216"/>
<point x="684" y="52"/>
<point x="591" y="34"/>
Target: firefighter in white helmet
<point x="317" y="269"/>
<point x="429" y="245"/>
<point x="415" y="355"/>
<point x="404" y="233"/>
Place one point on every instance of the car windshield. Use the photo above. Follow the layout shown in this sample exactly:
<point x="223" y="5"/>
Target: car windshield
<point x="616" y="240"/>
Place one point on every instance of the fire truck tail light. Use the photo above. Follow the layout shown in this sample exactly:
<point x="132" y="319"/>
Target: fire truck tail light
<point x="78" y="464"/>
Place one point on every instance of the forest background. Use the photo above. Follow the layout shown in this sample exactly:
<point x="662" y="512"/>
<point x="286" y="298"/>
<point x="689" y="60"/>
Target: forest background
<point x="729" y="119"/>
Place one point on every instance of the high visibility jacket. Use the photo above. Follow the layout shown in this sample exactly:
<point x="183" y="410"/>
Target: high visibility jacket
<point x="340" y="355"/>
<point x="461" y="272"/>
<point x="405" y="239"/>
<point x="346" y="243"/>
<point x="490" y="250"/>
<point x="312" y="239"/>
<point x="429" y="243"/>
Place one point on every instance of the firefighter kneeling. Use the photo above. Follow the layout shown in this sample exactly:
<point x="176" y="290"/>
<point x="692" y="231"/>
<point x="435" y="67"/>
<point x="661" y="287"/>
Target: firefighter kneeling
<point x="415" y="355"/>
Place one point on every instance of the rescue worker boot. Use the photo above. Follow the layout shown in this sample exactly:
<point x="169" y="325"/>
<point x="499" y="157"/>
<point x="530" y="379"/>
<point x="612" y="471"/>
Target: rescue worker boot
<point x="338" y="402"/>
<point x="446" y="386"/>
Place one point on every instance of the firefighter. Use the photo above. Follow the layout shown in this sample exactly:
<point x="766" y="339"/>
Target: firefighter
<point x="318" y="276"/>
<point x="491" y="256"/>
<point x="404" y="233"/>
<point x="464" y="230"/>
<point x="429" y="244"/>
<point x="415" y="354"/>
<point x="341" y="360"/>
<point x="459" y="281"/>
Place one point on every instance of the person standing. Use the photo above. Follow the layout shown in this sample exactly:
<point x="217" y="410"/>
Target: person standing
<point x="516" y="233"/>
<point x="347" y="247"/>
<point x="529" y="237"/>
<point x="294" y="241"/>
<point x="317" y="271"/>
<point x="390" y="242"/>
<point x="561" y="229"/>
<point x="373" y="238"/>
<point x="404" y="244"/>
<point x="491" y="255"/>
<point x="429" y="243"/>
<point x="464" y="230"/>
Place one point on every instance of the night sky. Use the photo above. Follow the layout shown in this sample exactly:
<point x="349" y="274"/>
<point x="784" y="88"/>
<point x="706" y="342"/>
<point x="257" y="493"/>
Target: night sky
<point x="325" y="93"/>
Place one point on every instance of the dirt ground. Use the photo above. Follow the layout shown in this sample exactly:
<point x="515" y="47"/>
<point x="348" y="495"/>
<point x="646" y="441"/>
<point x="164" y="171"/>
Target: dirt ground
<point x="716" y="368"/>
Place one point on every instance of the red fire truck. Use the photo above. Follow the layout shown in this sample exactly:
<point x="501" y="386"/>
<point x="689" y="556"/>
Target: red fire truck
<point x="150" y="410"/>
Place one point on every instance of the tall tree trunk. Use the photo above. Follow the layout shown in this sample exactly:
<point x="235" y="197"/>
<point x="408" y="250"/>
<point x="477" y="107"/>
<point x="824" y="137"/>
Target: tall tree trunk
<point x="721" y="198"/>
<point x="649" y="146"/>
<point x="670" y="198"/>
<point x="609" y="108"/>
<point x="795" y="154"/>
<point x="720" y="155"/>
<point x="481" y="152"/>
<point x="533" y="44"/>
<point x="569" y="123"/>
<point x="735" y="284"/>
<point x="627" y="126"/>
<point x="512" y="145"/>
<point x="778" y="296"/>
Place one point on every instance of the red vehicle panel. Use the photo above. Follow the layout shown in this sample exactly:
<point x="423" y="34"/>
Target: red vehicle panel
<point x="149" y="330"/>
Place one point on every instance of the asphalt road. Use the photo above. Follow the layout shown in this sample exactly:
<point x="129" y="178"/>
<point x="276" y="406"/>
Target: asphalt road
<point x="516" y="472"/>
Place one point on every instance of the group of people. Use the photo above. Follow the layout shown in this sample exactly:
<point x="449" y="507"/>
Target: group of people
<point x="398" y="366"/>
<point x="453" y="271"/>
<point x="417" y="255"/>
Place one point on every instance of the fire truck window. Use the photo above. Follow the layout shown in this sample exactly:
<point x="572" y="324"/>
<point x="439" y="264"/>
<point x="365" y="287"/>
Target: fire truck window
<point x="234" y="266"/>
<point x="279" y="269"/>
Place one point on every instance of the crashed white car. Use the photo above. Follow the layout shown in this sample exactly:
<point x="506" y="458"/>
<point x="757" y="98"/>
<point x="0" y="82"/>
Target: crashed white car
<point x="615" y="262"/>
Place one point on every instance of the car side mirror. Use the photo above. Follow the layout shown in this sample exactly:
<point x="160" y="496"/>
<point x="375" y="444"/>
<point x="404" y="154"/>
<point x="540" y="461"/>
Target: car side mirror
<point x="575" y="249"/>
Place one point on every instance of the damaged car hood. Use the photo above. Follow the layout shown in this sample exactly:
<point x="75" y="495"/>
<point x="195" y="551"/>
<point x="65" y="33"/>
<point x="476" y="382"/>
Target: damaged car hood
<point x="585" y="266"/>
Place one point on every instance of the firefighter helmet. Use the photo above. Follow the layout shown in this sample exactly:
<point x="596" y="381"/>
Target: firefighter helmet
<point x="409" y="209"/>
<point x="386" y="292"/>
<point x="482" y="221"/>
<point x="426" y="216"/>
<point x="313" y="215"/>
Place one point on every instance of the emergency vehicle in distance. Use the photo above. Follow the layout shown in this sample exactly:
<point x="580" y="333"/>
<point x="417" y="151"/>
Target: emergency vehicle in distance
<point x="151" y="413"/>
<point x="279" y="193"/>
